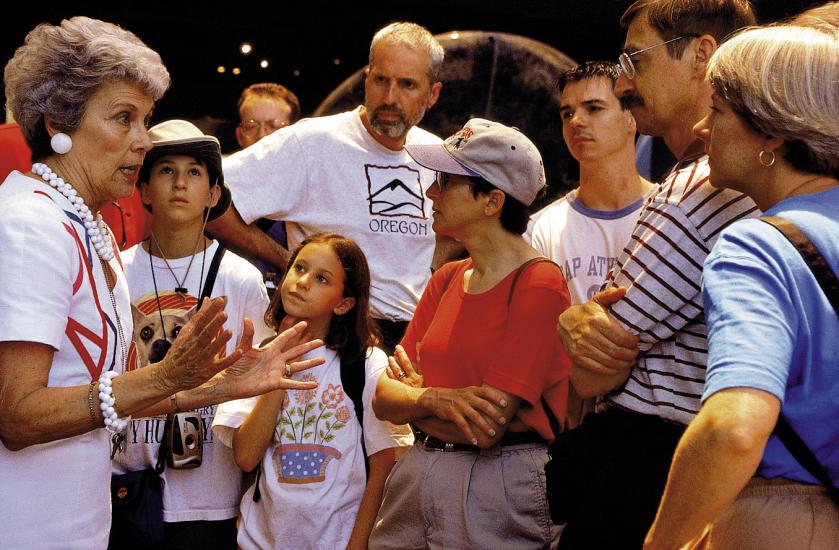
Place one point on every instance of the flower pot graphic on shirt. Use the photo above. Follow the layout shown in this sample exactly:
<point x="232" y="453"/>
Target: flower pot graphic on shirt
<point x="304" y="429"/>
<point x="303" y="462"/>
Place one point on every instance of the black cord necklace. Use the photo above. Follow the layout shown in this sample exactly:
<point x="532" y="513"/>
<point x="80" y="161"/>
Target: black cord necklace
<point x="154" y="281"/>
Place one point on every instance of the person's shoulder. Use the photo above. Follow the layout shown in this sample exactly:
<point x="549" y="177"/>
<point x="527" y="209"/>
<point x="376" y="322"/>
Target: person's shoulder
<point x="448" y="269"/>
<point x="419" y="136"/>
<point x="22" y="199"/>
<point x="129" y="255"/>
<point x="543" y="273"/>
<point x="233" y="265"/>
<point x="556" y="210"/>
<point x="375" y="358"/>
<point x="325" y="123"/>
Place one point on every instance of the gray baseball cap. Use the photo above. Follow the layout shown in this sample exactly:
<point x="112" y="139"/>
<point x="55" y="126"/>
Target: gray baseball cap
<point x="500" y="154"/>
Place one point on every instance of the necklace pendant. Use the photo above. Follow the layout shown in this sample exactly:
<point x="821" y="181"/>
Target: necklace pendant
<point x="181" y="292"/>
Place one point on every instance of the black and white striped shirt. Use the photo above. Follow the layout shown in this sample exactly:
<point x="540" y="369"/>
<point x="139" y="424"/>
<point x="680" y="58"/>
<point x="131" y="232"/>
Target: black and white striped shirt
<point x="661" y="267"/>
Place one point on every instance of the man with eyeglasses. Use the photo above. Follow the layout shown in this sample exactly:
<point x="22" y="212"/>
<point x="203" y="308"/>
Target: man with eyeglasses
<point x="349" y="174"/>
<point x="264" y="108"/>
<point x="641" y="344"/>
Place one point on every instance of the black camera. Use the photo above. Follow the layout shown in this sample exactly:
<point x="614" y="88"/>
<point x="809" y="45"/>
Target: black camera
<point x="183" y="438"/>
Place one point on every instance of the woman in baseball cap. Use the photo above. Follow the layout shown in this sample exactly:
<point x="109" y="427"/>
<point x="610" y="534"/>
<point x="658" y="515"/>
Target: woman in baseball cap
<point x="479" y="375"/>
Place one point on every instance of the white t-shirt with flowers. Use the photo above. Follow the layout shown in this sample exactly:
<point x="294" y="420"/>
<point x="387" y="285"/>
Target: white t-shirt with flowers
<point x="313" y="474"/>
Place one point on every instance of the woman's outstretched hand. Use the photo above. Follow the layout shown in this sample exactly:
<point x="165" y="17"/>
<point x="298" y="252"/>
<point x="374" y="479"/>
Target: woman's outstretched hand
<point x="197" y="355"/>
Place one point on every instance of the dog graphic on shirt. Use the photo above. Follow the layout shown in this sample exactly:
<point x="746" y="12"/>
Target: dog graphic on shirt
<point x="154" y="332"/>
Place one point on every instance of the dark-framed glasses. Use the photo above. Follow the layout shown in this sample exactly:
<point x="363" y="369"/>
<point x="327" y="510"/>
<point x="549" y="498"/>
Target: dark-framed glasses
<point x="251" y="126"/>
<point x="625" y="59"/>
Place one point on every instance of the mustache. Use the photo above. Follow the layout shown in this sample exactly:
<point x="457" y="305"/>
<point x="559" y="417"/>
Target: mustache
<point x="629" y="101"/>
<point x="389" y="109"/>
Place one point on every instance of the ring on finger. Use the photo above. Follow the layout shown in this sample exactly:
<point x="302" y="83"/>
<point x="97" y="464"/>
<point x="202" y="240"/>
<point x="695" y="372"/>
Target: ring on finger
<point x="287" y="371"/>
<point x="401" y="374"/>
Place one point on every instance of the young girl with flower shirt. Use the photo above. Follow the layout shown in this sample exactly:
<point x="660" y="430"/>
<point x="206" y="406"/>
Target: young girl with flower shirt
<point x="314" y="492"/>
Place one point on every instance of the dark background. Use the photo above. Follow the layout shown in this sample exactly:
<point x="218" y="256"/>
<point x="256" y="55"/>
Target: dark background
<point x="313" y="46"/>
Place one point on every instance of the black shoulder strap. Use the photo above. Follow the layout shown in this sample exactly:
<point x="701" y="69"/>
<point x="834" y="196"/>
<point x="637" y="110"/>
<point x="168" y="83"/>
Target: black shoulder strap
<point x="830" y="285"/>
<point x="210" y="282"/>
<point x="812" y="257"/>
<point x="353" y="377"/>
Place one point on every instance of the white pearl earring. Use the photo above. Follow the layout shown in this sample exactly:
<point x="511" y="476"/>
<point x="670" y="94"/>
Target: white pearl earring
<point x="61" y="143"/>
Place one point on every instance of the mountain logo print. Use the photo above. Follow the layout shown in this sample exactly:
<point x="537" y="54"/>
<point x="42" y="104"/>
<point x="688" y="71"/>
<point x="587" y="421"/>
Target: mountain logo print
<point x="395" y="191"/>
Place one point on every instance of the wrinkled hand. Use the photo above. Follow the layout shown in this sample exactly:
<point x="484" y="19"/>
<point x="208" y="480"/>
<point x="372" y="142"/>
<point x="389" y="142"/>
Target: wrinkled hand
<point x="474" y="406"/>
<point x="198" y="352"/>
<point x="593" y="339"/>
<point x="401" y="369"/>
<point x="260" y="370"/>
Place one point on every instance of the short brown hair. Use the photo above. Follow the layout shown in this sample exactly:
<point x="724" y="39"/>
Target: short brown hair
<point x="272" y="90"/>
<point x="674" y="18"/>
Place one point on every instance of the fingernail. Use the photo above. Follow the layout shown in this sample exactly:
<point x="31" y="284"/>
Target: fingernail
<point x="474" y="441"/>
<point x="503" y="402"/>
<point x="502" y="420"/>
<point x="492" y="433"/>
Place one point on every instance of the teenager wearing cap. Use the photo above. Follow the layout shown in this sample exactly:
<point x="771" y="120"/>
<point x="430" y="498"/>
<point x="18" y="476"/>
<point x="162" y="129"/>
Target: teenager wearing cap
<point x="182" y="185"/>
<point x="476" y="363"/>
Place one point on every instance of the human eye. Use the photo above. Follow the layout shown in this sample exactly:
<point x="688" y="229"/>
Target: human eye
<point x="124" y="118"/>
<point x="409" y="84"/>
<point x="322" y="279"/>
<point x="166" y="169"/>
<point x="298" y="268"/>
<point x="566" y="114"/>
<point x="195" y="171"/>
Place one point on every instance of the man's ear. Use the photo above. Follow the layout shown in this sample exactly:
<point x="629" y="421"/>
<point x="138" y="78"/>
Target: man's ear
<point x="344" y="306"/>
<point x="240" y="137"/>
<point x="702" y="50"/>
<point x="435" y="93"/>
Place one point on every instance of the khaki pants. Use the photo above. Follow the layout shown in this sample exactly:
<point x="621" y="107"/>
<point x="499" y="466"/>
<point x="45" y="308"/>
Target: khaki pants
<point x="465" y="500"/>
<point x="777" y="513"/>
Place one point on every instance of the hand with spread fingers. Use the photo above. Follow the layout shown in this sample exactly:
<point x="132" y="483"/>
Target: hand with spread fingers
<point x="260" y="370"/>
<point x="402" y="369"/>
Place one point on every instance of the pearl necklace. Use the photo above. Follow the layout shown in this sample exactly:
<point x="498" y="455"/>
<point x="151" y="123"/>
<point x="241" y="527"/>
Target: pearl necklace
<point x="96" y="229"/>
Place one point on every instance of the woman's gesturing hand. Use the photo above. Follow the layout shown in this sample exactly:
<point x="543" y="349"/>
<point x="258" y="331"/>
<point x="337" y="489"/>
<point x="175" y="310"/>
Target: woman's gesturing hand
<point x="198" y="354"/>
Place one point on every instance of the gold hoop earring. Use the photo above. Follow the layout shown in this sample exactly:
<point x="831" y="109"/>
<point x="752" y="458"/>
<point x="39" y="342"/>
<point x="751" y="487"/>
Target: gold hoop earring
<point x="764" y="163"/>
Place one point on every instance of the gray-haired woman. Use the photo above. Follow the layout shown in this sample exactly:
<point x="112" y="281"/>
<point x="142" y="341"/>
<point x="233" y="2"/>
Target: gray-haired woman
<point x="83" y="92"/>
<point x="772" y="331"/>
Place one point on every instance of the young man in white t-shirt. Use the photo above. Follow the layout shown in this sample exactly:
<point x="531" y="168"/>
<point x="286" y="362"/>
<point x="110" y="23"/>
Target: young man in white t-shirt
<point x="585" y="231"/>
<point x="181" y="183"/>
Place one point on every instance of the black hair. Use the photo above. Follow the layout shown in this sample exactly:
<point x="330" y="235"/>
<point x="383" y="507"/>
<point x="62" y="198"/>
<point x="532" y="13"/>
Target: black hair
<point x="514" y="214"/>
<point x="590" y="69"/>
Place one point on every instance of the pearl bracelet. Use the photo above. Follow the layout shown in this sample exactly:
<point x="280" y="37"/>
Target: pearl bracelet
<point x="113" y="423"/>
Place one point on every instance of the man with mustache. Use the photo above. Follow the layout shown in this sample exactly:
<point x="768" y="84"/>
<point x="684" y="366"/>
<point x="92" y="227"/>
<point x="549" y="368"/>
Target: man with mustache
<point x="349" y="174"/>
<point x="586" y="230"/>
<point x="641" y="343"/>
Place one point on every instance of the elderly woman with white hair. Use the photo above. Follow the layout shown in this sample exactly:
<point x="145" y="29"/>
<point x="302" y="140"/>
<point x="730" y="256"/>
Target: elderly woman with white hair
<point x="83" y="92"/>
<point x="737" y="480"/>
